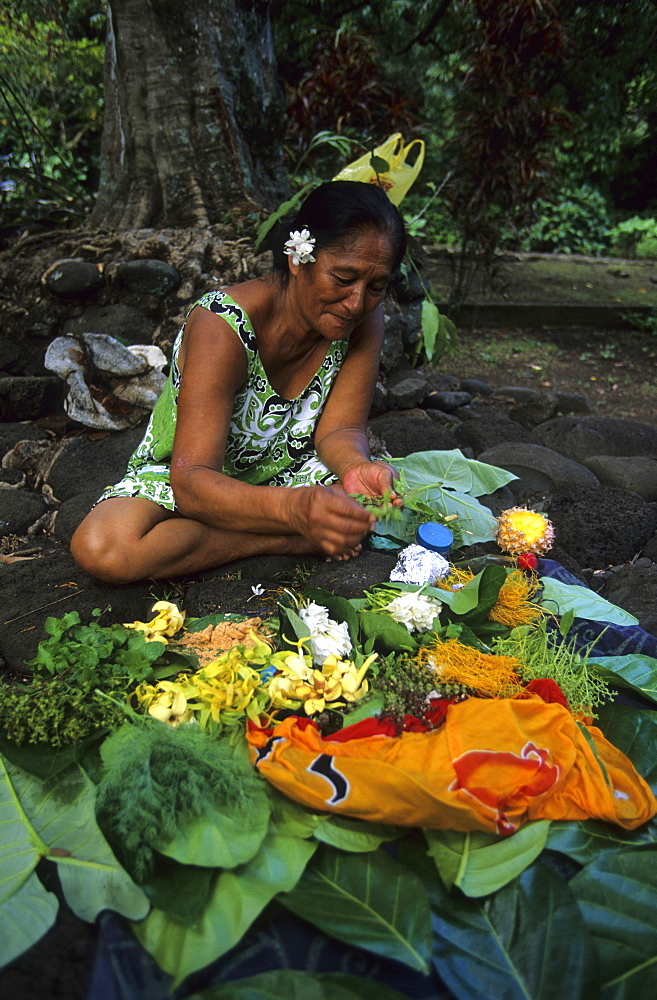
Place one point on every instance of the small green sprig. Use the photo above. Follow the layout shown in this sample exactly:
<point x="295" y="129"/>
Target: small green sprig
<point x="381" y="506"/>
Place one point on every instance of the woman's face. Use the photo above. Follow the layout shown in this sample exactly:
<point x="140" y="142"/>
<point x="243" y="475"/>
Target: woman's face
<point x="345" y="284"/>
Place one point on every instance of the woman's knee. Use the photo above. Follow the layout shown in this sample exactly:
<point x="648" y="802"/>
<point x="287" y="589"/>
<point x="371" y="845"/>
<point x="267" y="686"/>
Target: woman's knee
<point x="101" y="551"/>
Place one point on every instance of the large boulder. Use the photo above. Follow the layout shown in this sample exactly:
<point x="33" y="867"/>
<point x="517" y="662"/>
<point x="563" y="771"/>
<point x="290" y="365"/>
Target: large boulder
<point x="85" y="465"/>
<point x="541" y="472"/>
<point x="404" y="435"/>
<point x="581" y="437"/>
<point x="601" y="526"/>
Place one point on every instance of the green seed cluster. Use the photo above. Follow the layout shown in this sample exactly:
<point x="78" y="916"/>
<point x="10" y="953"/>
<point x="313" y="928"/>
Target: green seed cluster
<point x="47" y="711"/>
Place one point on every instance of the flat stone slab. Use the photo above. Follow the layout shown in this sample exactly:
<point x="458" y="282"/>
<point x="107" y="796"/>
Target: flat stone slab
<point x="540" y="470"/>
<point x="635" y="472"/>
<point x="581" y="437"/>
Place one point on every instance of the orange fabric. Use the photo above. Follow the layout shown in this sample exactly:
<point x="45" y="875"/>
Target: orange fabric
<point x="494" y="765"/>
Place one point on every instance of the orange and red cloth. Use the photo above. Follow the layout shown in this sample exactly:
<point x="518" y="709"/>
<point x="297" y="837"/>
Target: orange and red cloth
<point x="493" y="765"/>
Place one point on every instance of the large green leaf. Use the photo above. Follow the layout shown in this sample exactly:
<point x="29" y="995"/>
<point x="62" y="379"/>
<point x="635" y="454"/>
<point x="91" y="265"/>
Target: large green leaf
<point x="481" y="863"/>
<point x="293" y="984"/>
<point x="635" y="734"/>
<point x="62" y="815"/>
<point x="526" y="942"/>
<point x="475" y="521"/>
<point x="26" y="917"/>
<point x="587" y="840"/>
<point x="219" y="840"/>
<point x="239" y="896"/>
<point x="355" y="835"/>
<point x="452" y="470"/>
<point x="20" y="845"/>
<point x="384" y="633"/>
<point x="558" y="597"/>
<point x="369" y="901"/>
<point x="41" y="760"/>
<point x="617" y="895"/>
<point x="632" y="671"/>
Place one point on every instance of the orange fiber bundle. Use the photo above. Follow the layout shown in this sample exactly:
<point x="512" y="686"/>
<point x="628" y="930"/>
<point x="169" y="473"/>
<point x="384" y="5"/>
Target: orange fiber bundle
<point x="513" y="606"/>
<point x="455" y="663"/>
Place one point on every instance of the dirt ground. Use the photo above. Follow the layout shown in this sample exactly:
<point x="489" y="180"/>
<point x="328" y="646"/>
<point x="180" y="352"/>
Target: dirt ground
<point x="615" y="370"/>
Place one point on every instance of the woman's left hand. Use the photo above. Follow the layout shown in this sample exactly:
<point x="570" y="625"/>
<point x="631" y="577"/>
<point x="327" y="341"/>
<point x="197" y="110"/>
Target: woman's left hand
<point x="372" y="479"/>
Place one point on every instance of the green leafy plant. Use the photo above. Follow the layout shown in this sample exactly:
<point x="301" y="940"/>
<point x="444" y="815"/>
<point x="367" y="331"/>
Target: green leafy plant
<point x="574" y="220"/>
<point x="634" y="237"/>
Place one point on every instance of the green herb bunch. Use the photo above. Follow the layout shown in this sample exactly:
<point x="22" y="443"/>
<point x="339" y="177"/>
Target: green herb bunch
<point x="543" y="654"/>
<point x="60" y="706"/>
<point x="406" y="685"/>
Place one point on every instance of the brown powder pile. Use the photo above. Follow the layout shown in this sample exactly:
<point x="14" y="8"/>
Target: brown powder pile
<point x="208" y="643"/>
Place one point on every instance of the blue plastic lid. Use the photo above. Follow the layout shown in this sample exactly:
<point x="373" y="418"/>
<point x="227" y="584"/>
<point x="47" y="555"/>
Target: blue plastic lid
<point x="434" y="536"/>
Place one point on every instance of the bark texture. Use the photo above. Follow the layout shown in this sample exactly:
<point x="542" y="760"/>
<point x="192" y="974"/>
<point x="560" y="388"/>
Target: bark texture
<point x="194" y="115"/>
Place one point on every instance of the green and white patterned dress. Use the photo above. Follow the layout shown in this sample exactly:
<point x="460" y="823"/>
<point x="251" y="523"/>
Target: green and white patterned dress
<point x="270" y="438"/>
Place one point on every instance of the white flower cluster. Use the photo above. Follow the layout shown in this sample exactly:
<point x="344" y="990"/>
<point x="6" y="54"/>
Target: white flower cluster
<point x="418" y="565"/>
<point x="414" y="610"/>
<point x="300" y="247"/>
<point x="327" y="637"/>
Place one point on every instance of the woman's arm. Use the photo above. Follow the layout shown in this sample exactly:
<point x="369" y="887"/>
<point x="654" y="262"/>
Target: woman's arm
<point x="341" y="435"/>
<point x="214" y="368"/>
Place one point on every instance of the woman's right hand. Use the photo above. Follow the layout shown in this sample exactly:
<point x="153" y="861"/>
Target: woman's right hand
<point x="329" y="517"/>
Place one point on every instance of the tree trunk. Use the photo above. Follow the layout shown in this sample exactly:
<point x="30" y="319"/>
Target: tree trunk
<point x="193" y="113"/>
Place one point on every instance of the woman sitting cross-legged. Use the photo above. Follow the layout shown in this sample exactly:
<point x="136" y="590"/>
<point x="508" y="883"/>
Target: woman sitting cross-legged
<point x="260" y="433"/>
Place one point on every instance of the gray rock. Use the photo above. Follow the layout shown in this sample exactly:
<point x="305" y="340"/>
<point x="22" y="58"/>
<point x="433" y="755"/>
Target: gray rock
<point x="520" y="393"/>
<point x="649" y="550"/>
<point x="72" y="279"/>
<point x="581" y="437"/>
<point x="12" y="433"/>
<point x="71" y="514"/>
<point x="404" y="435"/>
<point x="11" y="479"/>
<point x="446" y="401"/>
<point x="439" y="382"/>
<point x="392" y="349"/>
<point x="379" y="400"/>
<point x="635" y="473"/>
<point x="410" y="288"/>
<point x="476" y="387"/>
<point x="572" y="402"/>
<point x="634" y="588"/>
<point x="482" y="411"/>
<point x="536" y="410"/>
<point x="19" y="510"/>
<point x="412" y="326"/>
<point x="41" y="320"/>
<point x="118" y="320"/>
<point x="150" y="277"/>
<point x="87" y="466"/>
<point x="29" y="397"/>
<point x="406" y="393"/>
<point x="502" y="499"/>
<point x="444" y="419"/>
<point x="602" y="526"/>
<point x="541" y="472"/>
<point x="482" y="435"/>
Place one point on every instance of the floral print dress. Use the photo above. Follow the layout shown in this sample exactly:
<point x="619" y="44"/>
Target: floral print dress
<point x="270" y="438"/>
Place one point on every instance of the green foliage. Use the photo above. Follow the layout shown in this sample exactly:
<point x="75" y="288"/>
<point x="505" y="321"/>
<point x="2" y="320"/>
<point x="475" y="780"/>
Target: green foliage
<point x="50" y="108"/>
<point x="368" y="898"/>
<point x="157" y="780"/>
<point x="542" y="654"/>
<point x="480" y="863"/>
<point x="61" y="705"/>
<point x="574" y="220"/>
<point x="635" y="237"/>
<point x="51" y="713"/>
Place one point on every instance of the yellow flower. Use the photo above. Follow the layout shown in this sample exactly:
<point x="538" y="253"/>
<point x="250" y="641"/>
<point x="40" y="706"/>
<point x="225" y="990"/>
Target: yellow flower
<point x="168" y="702"/>
<point x="167" y="622"/>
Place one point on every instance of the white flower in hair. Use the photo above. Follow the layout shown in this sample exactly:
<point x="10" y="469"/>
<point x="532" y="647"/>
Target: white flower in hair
<point x="300" y="247"/>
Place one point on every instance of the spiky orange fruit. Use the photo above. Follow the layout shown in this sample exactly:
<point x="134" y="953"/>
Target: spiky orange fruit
<point x="520" y="530"/>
